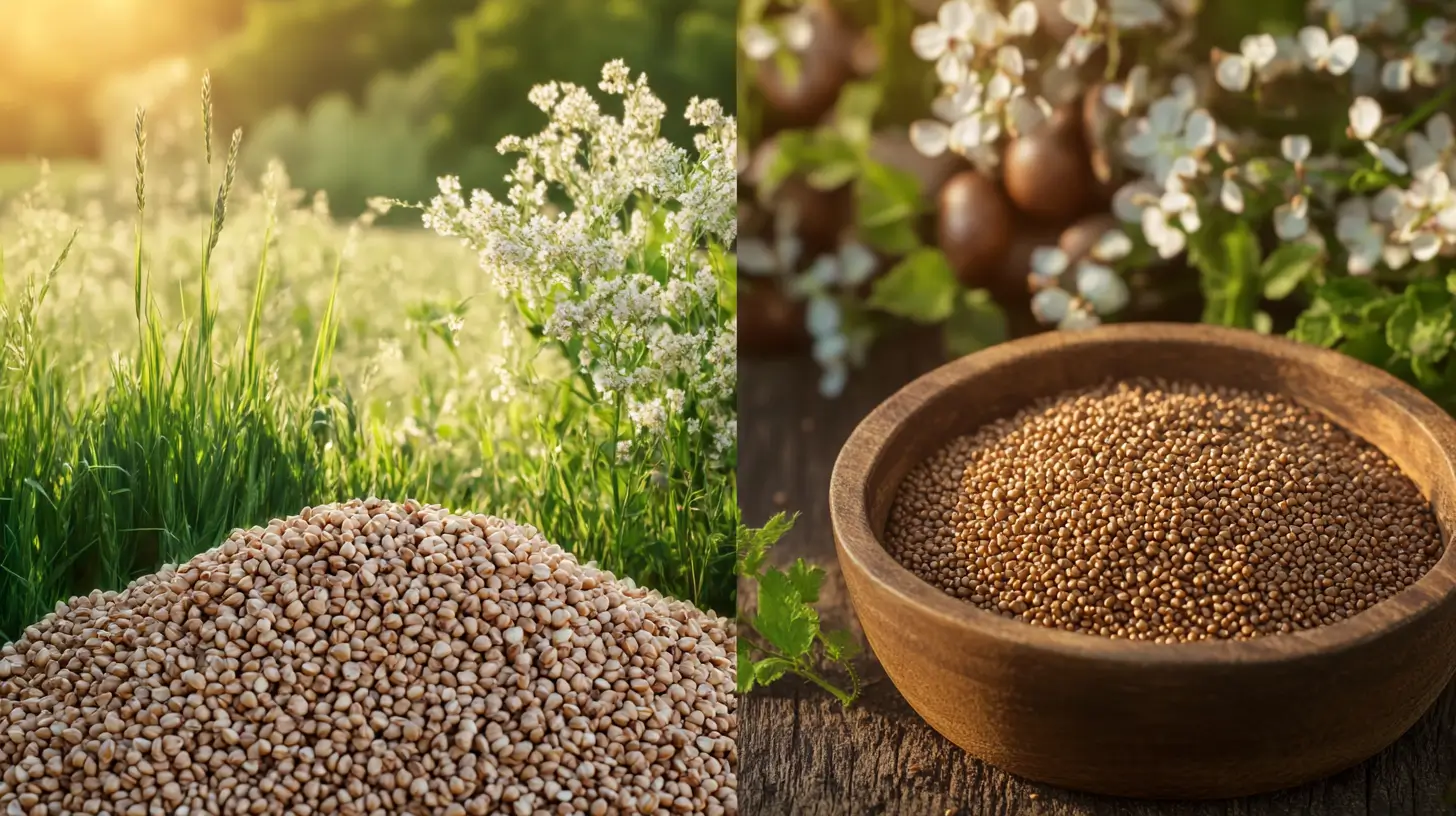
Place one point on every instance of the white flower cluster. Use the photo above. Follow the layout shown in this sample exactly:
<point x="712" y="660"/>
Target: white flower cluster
<point x="1097" y="289"/>
<point x="984" y="94"/>
<point x="1398" y="224"/>
<point x="624" y="274"/>
<point x="829" y="282"/>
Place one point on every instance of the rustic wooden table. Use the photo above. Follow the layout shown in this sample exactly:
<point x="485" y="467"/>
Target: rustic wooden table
<point x="800" y="753"/>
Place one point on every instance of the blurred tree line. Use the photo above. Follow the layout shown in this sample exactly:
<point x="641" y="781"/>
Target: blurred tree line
<point x="358" y="97"/>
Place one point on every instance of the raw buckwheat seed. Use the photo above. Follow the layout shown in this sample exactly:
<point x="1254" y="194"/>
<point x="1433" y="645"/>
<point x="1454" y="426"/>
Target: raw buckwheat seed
<point x="1166" y="512"/>
<point x="372" y="658"/>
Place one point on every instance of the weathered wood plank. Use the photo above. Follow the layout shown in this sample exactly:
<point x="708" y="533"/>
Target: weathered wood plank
<point x="799" y="753"/>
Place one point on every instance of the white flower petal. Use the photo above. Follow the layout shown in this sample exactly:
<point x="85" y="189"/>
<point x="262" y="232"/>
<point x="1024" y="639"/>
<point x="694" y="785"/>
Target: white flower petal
<point x="1051" y="305"/>
<point x="1103" y="288"/>
<point x="1315" y="43"/>
<point x="857" y="264"/>
<point x="1385" y="203"/>
<point x="929" y="41"/>
<point x="1009" y="61"/>
<point x="1131" y="199"/>
<point x="1295" y="148"/>
<point x="1166" y="116"/>
<point x="1048" y="262"/>
<point x="1365" y="117"/>
<point x="1291" y="221"/>
<point x="1199" y="131"/>
<point x="968" y="133"/>
<point x="1396" y="256"/>
<point x="929" y="137"/>
<point x="1143" y="144"/>
<point x="1395" y="75"/>
<point x="1387" y="157"/>
<point x="951" y="69"/>
<point x="1081" y="13"/>
<point x="822" y="316"/>
<point x="833" y="380"/>
<point x="1023" y="19"/>
<point x="757" y="42"/>
<point x="1135" y="13"/>
<point x="1231" y="196"/>
<point x="1233" y="73"/>
<point x="1344" y="51"/>
<point x="957" y="17"/>
<point x="1078" y="319"/>
<point x="1114" y="245"/>
<point x="756" y="257"/>
<point x="1425" y="247"/>
<point x="1420" y="154"/>
<point x="1439" y="131"/>
<point x="798" y="30"/>
<point x="1259" y="49"/>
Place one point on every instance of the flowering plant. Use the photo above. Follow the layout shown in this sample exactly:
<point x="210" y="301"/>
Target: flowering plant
<point x="631" y="283"/>
<point x="1296" y="157"/>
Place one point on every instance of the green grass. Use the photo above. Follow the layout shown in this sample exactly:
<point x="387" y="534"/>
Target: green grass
<point x="222" y="357"/>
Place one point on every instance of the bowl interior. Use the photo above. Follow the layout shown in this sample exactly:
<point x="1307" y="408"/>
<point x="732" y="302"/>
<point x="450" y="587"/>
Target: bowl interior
<point x="1417" y="435"/>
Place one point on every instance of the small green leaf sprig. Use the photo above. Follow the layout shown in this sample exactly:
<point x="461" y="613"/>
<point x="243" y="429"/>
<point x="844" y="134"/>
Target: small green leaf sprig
<point x="786" y="636"/>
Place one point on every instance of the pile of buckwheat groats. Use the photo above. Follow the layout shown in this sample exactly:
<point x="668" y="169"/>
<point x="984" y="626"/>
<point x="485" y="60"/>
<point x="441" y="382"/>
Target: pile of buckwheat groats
<point x="1167" y="512"/>
<point x="372" y="658"/>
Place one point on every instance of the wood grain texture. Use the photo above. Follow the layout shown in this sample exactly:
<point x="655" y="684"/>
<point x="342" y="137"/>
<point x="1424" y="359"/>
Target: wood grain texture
<point x="801" y="754"/>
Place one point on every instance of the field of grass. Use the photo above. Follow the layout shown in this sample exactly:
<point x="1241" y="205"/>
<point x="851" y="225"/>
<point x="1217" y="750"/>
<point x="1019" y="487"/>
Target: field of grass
<point x="229" y="352"/>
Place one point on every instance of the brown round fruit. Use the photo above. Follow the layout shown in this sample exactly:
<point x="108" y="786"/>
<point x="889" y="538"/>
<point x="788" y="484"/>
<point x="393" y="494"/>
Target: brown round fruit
<point x="768" y="321"/>
<point x="973" y="227"/>
<point x="1078" y="239"/>
<point x="823" y="68"/>
<point x="1047" y="172"/>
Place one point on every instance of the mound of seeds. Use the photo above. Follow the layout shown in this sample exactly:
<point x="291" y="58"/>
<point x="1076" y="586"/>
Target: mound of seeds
<point x="372" y="658"/>
<point x="1167" y="512"/>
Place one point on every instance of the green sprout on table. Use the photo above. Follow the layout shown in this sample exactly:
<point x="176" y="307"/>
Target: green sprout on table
<point x="787" y="638"/>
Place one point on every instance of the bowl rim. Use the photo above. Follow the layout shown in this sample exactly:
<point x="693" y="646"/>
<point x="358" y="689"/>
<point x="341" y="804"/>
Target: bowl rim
<point x="867" y="446"/>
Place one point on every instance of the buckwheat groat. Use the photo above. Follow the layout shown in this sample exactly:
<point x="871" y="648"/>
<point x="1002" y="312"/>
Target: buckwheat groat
<point x="372" y="658"/>
<point x="1167" y="512"/>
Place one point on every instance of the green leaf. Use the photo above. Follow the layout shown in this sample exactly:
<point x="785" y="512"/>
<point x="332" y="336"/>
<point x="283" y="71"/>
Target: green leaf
<point x="839" y="645"/>
<point x="806" y="580"/>
<point x="1263" y="322"/>
<point x="885" y="195"/>
<point x="1431" y="338"/>
<point x="854" y="112"/>
<point x="1401" y="326"/>
<point x="1288" y="266"/>
<point x="753" y="543"/>
<point x="783" y="617"/>
<point x="1350" y="294"/>
<point x="833" y="175"/>
<point x="746" y="668"/>
<point x="1367" y="343"/>
<point x="770" y="669"/>
<point x="1228" y="267"/>
<point x="921" y="287"/>
<point x="1317" y="327"/>
<point x="895" y="238"/>
<point x="976" y="323"/>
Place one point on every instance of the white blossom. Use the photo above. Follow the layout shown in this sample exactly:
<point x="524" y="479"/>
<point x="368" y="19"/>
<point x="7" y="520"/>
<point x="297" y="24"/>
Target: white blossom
<point x="1291" y="219"/>
<point x="1233" y="72"/>
<point x="1337" y="56"/>
<point x="1171" y="139"/>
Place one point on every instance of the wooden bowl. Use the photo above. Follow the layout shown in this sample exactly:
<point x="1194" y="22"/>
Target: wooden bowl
<point x="1190" y="720"/>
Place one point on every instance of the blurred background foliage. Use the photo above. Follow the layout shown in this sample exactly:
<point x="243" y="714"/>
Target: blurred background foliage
<point x="357" y="97"/>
